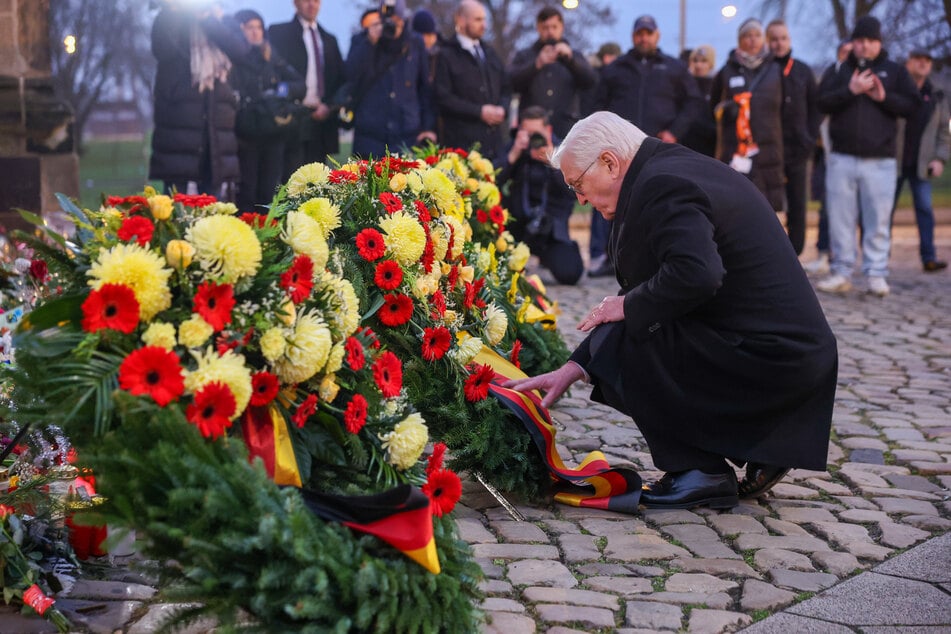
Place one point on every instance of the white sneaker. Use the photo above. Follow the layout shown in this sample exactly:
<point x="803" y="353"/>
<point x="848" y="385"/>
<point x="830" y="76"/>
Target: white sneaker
<point x="835" y="284"/>
<point x="878" y="286"/>
<point x="819" y="266"/>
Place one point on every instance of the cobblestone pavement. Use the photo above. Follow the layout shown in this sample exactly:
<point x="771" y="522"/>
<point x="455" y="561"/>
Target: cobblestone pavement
<point x="577" y="570"/>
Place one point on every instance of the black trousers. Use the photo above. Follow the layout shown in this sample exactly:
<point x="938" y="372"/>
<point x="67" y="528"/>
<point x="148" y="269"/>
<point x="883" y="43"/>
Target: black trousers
<point x="262" y="164"/>
<point x="797" y="174"/>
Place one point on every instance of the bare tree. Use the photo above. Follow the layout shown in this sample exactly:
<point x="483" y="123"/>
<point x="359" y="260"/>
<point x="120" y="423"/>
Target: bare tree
<point x="110" y="54"/>
<point x="512" y="22"/>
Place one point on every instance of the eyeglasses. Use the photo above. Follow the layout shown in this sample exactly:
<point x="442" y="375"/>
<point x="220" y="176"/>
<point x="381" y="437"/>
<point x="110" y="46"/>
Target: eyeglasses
<point x="577" y="189"/>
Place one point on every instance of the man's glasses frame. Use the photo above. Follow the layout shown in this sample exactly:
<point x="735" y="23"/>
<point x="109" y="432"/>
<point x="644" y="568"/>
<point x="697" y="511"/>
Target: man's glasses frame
<point x="577" y="188"/>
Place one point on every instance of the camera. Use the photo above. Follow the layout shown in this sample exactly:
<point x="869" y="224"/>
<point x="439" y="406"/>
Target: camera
<point x="537" y="140"/>
<point x="387" y="13"/>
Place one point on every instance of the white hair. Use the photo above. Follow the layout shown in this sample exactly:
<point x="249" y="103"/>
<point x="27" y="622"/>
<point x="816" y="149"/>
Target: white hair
<point x="596" y="133"/>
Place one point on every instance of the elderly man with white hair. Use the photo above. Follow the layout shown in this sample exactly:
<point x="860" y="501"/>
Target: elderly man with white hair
<point x="716" y="344"/>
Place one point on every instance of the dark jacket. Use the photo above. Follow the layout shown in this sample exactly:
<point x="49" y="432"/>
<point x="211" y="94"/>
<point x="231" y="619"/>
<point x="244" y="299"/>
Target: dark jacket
<point x="858" y="125"/>
<point x="393" y="100"/>
<point x="800" y="112"/>
<point x="461" y="90"/>
<point x="194" y="131"/>
<point x="702" y="134"/>
<point x="257" y="76"/>
<point x="724" y="348"/>
<point x="654" y="93"/>
<point x="766" y="121"/>
<point x="556" y="87"/>
<point x="287" y="38"/>
<point x="934" y="142"/>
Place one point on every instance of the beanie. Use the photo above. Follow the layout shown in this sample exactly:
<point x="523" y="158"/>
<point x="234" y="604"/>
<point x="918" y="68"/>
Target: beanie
<point x="246" y="15"/>
<point x="424" y="22"/>
<point x="869" y="27"/>
<point x="748" y="25"/>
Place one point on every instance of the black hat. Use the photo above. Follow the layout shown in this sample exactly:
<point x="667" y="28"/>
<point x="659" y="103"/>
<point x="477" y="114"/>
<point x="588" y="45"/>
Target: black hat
<point x="921" y="52"/>
<point x="246" y="15"/>
<point x="645" y="22"/>
<point x="869" y="27"/>
<point x="424" y="22"/>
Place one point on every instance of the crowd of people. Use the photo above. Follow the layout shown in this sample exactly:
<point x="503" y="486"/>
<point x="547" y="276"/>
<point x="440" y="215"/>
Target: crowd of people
<point x="238" y="103"/>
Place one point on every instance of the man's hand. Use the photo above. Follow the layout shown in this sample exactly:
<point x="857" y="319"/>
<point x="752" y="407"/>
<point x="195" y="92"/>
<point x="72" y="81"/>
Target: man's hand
<point x="426" y="135"/>
<point x="553" y="384"/>
<point x="610" y="309"/>
<point x="519" y="146"/>
<point x="877" y="91"/>
<point x="548" y="55"/>
<point x="935" y="169"/>
<point x="320" y="113"/>
<point x="666" y="136"/>
<point x="861" y="83"/>
<point x="492" y="114"/>
<point x="562" y="50"/>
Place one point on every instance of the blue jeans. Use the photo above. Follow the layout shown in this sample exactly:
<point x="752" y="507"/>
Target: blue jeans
<point x="924" y="214"/>
<point x="860" y="190"/>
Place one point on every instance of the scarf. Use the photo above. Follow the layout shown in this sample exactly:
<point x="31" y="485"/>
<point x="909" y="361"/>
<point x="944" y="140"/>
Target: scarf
<point x="208" y="63"/>
<point x="751" y="62"/>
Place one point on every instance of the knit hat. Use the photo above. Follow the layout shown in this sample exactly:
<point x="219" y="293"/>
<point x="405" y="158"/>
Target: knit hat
<point x="609" y="48"/>
<point x="869" y="27"/>
<point x="424" y="22"/>
<point x="748" y="25"/>
<point x="246" y="15"/>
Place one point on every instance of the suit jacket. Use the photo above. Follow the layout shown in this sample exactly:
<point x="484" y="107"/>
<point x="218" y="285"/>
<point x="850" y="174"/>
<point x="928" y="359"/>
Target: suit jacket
<point x="723" y="348"/>
<point x="287" y="39"/>
<point x="461" y="90"/>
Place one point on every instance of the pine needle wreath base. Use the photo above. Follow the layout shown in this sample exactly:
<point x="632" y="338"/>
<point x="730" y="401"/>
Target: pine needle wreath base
<point x="235" y="543"/>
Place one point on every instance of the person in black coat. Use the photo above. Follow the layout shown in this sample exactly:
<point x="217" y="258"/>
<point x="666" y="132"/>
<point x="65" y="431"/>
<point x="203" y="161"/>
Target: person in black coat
<point x="471" y="88"/>
<point x="195" y="107"/>
<point x="538" y="198"/>
<point x="702" y="135"/>
<point x="262" y="74"/>
<point x="800" y="121"/>
<point x="716" y="344"/>
<point x="294" y="41"/>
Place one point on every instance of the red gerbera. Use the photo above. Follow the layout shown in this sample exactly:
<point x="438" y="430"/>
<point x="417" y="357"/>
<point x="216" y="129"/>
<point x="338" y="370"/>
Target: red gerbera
<point x="391" y="203"/>
<point x="155" y="371"/>
<point x="438" y="300"/>
<point x="305" y="410"/>
<point x="444" y="489"/>
<point x="195" y="200"/>
<point x="214" y="303"/>
<point x="343" y="176"/>
<point x="355" y="357"/>
<point x="264" y="388"/>
<point x="388" y="374"/>
<point x="367" y="333"/>
<point x="256" y="220"/>
<point x="135" y="202"/>
<point x="431" y="160"/>
<point x="397" y="309"/>
<point x="112" y="306"/>
<point x="212" y="410"/>
<point x="513" y="356"/>
<point x="355" y="416"/>
<point x="496" y="215"/>
<point x="138" y="227"/>
<point x="370" y="245"/>
<point x="436" y="342"/>
<point x="476" y="387"/>
<point x="298" y="280"/>
<point x="435" y="458"/>
<point x="422" y="211"/>
<point x="472" y="291"/>
<point x="388" y="275"/>
<point x="481" y="216"/>
<point x="429" y="254"/>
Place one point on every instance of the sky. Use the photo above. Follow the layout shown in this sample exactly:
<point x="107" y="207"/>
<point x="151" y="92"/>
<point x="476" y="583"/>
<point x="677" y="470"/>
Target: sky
<point x="705" y="24"/>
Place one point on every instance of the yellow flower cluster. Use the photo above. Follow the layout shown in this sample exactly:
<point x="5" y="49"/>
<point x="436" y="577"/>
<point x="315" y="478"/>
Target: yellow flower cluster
<point x="404" y="445"/>
<point x="139" y="269"/>
<point x="405" y="237"/>
<point x="444" y="193"/>
<point x="159" y="334"/>
<point x="225" y="246"/>
<point x="306" y="176"/>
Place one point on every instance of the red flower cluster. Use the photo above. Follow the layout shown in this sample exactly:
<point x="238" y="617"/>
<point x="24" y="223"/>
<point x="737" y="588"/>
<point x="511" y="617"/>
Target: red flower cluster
<point x="370" y="245"/>
<point x="392" y="164"/>
<point x="355" y="416"/>
<point x="155" y="371"/>
<point x="355" y="357"/>
<point x="388" y="275"/>
<point x="306" y="410"/>
<point x="388" y="374"/>
<point x="255" y="220"/>
<point x="497" y="215"/>
<point x="264" y="388"/>
<point x="111" y="306"/>
<point x="138" y="227"/>
<point x="391" y="203"/>
<point x="298" y="279"/>
<point x="196" y="200"/>
<point x="436" y="342"/>
<point x="422" y="211"/>
<point x="212" y="409"/>
<point x="443" y="487"/>
<point x="471" y="294"/>
<point x="481" y="216"/>
<point x="214" y="303"/>
<point x="343" y="176"/>
<point x="397" y="309"/>
<point x="513" y="356"/>
<point x="135" y="202"/>
<point x="476" y="387"/>
<point x="438" y="300"/>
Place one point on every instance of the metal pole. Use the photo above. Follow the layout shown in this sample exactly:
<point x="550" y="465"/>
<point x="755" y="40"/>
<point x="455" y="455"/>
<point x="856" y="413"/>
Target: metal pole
<point x="683" y="25"/>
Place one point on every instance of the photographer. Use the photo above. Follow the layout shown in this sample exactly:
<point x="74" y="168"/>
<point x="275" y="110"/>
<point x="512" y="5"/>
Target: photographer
<point x="552" y="75"/>
<point x="388" y="87"/>
<point x="538" y="198"/>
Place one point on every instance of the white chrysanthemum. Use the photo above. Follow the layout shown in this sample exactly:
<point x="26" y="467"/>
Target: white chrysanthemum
<point x="229" y="369"/>
<point x="226" y="246"/>
<point x="305" y="235"/>
<point x="467" y="350"/>
<point x="306" y="176"/>
<point x="404" y="445"/>
<point x="496" y="323"/>
<point x="307" y="350"/>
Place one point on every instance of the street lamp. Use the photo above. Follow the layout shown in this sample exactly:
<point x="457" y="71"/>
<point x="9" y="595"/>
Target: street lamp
<point x="69" y="43"/>
<point x="728" y="11"/>
<point x="569" y="4"/>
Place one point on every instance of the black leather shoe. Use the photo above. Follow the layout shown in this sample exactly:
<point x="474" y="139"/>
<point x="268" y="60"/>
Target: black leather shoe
<point x="687" y="489"/>
<point x="934" y="265"/>
<point x="606" y="269"/>
<point x="760" y="478"/>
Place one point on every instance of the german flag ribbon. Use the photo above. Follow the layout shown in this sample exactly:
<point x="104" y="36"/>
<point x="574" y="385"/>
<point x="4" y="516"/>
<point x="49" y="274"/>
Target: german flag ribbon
<point x="594" y="484"/>
<point x="266" y="435"/>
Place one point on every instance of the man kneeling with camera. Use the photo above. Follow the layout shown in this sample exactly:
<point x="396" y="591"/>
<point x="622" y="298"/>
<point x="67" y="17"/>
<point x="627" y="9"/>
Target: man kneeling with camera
<point x="538" y="198"/>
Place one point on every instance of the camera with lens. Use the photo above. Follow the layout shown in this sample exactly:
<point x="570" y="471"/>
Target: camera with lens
<point x="387" y="13"/>
<point x="537" y="140"/>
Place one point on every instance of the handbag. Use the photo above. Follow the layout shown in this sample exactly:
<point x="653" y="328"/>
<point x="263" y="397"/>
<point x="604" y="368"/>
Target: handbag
<point x="269" y="116"/>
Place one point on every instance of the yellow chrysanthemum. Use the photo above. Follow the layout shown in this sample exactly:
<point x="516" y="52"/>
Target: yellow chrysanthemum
<point x="328" y="389"/>
<point x="324" y="212"/>
<point x="472" y="184"/>
<point x="467" y="350"/>
<point x="194" y="331"/>
<point x="306" y="176"/>
<point x="335" y="360"/>
<point x="273" y="344"/>
<point x="414" y="180"/>
<point x="496" y="323"/>
<point x="179" y="254"/>
<point x="404" y="445"/>
<point x="440" y="237"/>
<point x="452" y="165"/>
<point x="444" y="193"/>
<point x="138" y="268"/>
<point x="398" y="182"/>
<point x="220" y="209"/>
<point x="489" y="194"/>
<point x="344" y="312"/>
<point x="426" y="285"/>
<point x="229" y="369"/>
<point x="519" y="257"/>
<point x="161" y="207"/>
<point x="501" y="244"/>
<point x="305" y="235"/>
<point x="449" y="317"/>
<point x="307" y="350"/>
<point x="405" y="237"/>
<point x="225" y="246"/>
<point x="458" y="236"/>
<point x="159" y="334"/>
<point x="483" y="260"/>
<point x="481" y="165"/>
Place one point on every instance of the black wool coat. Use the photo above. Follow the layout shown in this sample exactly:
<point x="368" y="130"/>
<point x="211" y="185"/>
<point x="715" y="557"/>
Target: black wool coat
<point x="724" y="349"/>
